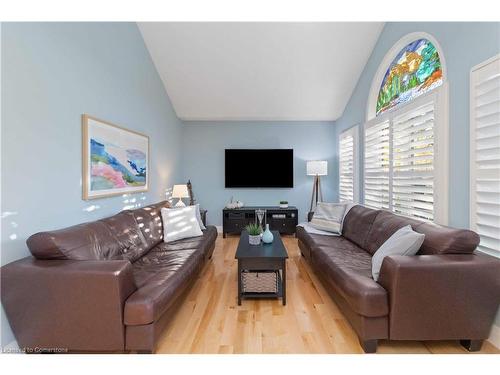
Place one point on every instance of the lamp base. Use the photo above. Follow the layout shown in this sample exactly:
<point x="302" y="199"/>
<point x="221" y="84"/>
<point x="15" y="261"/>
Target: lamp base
<point x="180" y="203"/>
<point x="317" y="195"/>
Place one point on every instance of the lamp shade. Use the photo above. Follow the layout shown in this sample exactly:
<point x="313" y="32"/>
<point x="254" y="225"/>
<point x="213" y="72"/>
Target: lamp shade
<point x="317" y="168"/>
<point x="180" y="191"/>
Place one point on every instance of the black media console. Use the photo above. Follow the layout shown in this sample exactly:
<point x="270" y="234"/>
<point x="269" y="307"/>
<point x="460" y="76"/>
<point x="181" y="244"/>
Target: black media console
<point x="284" y="220"/>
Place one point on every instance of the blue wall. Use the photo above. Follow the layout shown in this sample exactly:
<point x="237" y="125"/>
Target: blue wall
<point x="203" y="161"/>
<point x="51" y="74"/>
<point x="464" y="46"/>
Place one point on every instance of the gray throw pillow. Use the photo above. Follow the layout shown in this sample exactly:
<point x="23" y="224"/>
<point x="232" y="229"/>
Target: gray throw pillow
<point x="404" y="241"/>
<point x="328" y="217"/>
<point x="198" y="217"/>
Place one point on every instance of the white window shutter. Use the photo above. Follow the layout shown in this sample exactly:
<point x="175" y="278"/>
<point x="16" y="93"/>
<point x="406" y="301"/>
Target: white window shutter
<point x="485" y="154"/>
<point x="348" y="168"/>
<point x="413" y="162"/>
<point x="406" y="163"/>
<point x="376" y="164"/>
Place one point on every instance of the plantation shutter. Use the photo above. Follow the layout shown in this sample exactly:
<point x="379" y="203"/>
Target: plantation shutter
<point x="485" y="155"/>
<point x="413" y="162"/>
<point x="348" y="165"/>
<point x="376" y="165"/>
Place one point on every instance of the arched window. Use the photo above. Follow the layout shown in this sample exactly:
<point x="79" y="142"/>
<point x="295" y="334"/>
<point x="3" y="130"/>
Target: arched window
<point x="415" y="70"/>
<point x="405" y="138"/>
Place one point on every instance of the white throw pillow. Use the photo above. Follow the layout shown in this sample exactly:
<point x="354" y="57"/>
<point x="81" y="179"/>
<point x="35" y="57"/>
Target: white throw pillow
<point x="328" y="217"/>
<point x="405" y="241"/>
<point x="198" y="217"/>
<point x="179" y="223"/>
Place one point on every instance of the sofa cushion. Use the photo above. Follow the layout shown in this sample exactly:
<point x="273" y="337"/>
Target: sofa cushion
<point x="313" y="240"/>
<point x="88" y="241"/>
<point x="128" y="235"/>
<point x="345" y="255"/>
<point x="161" y="277"/>
<point x="120" y="236"/>
<point x="163" y="274"/>
<point x="445" y="240"/>
<point x="384" y="226"/>
<point x="303" y="236"/>
<point x="203" y="242"/>
<point x="439" y="239"/>
<point x="347" y="268"/>
<point x="149" y="221"/>
<point x="358" y="223"/>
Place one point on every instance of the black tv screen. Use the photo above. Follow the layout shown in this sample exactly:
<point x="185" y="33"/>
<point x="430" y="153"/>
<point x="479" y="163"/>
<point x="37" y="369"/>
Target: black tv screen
<point x="270" y="168"/>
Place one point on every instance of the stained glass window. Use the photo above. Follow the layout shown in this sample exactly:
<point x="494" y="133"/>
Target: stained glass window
<point x="414" y="71"/>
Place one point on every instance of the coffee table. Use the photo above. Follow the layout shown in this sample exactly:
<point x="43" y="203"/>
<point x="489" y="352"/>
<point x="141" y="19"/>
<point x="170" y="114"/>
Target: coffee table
<point x="262" y="258"/>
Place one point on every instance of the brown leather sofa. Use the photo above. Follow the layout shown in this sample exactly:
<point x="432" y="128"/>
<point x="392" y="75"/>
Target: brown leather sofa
<point x="107" y="285"/>
<point x="445" y="292"/>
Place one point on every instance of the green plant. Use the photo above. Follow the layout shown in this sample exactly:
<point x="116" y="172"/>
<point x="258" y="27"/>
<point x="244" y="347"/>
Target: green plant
<point x="253" y="229"/>
<point x="283" y="202"/>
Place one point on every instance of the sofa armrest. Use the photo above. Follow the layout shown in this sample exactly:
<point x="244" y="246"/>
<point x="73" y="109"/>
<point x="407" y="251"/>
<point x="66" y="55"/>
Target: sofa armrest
<point x="74" y="305"/>
<point x="438" y="297"/>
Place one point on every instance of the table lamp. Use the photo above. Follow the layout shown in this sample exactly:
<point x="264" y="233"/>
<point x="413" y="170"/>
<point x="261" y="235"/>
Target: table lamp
<point x="180" y="191"/>
<point x="316" y="168"/>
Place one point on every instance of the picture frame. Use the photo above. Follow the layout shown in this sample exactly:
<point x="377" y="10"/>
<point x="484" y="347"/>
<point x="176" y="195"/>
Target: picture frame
<point x="115" y="160"/>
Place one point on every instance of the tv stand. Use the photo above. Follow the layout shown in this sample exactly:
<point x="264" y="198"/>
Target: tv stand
<point x="284" y="220"/>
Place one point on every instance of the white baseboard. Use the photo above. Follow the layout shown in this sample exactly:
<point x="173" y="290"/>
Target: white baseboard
<point x="219" y="228"/>
<point x="494" y="338"/>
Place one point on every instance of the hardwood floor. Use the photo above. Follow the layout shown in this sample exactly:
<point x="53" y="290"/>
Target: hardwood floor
<point x="210" y="321"/>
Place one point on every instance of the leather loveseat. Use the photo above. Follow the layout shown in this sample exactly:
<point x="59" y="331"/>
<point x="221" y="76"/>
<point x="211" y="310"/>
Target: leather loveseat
<point x="107" y="285"/>
<point x="445" y="292"/>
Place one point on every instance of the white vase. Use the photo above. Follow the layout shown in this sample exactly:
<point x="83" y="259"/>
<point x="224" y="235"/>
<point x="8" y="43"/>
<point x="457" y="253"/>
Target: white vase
<point x="267" y="236"/>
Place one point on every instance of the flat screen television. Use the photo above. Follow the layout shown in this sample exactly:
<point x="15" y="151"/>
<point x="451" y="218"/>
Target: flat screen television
<point x="259" y="168"/>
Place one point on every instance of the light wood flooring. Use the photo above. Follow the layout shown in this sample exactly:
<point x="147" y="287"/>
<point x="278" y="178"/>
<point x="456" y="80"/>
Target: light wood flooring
<point x="210" y="321"/>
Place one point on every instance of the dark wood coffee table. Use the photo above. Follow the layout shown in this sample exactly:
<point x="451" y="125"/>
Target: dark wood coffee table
<point x="263" y="257"/>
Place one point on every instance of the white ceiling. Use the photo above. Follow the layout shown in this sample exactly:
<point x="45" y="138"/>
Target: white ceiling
<point x="260" y="71"/>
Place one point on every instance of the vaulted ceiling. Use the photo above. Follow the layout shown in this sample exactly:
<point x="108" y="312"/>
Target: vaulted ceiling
<point x="260" y="71"/>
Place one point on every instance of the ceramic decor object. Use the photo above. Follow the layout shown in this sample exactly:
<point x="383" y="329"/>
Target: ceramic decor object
<point x="267" y="236"/>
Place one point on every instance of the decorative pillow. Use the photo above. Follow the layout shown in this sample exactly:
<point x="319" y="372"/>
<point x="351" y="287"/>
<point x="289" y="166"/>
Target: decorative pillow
<point x="198" y="217"/>
<point x="179" y="223"/>
<point x="405" y="241"/>
<point x="328" y="217"/>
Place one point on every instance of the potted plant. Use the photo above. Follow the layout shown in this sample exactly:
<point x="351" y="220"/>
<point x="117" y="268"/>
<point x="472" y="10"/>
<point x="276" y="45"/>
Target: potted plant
<point x="253" y="233"/>
<point x="283" y="204"/>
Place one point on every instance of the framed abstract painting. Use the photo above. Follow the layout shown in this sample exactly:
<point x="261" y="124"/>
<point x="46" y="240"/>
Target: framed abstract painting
<point x="115" y="160"/>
